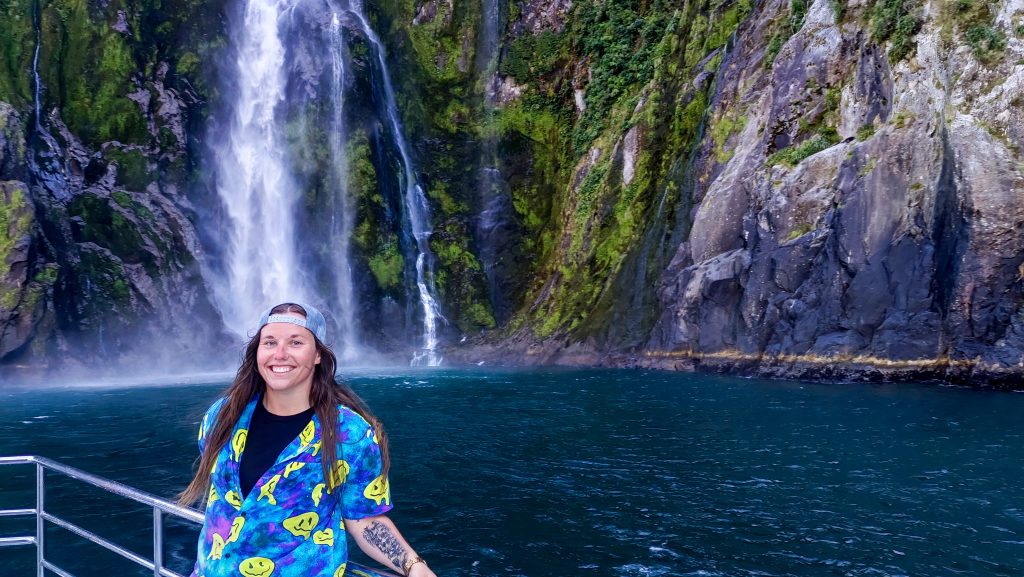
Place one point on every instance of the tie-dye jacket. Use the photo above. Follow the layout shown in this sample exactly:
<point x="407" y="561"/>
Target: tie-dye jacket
<point x="288" y="525"/>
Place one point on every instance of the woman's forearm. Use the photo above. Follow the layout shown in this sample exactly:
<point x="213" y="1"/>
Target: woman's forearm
<point x="380" y="540"/>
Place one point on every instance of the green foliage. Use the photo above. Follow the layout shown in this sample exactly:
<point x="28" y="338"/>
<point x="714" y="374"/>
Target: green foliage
<point x="132" y="168"/>
<point x="531" y="56"/>
<point x="722" y="130"/>
<point x="17" y="48"/>
<point x="110" y="228"/>
<point x="838" y="8"/>
<point x="89" y="69"/>
<point x="895" y="21"/>
<point x="107" y="278"/>
<point x="387" y="266"/>
<point x="985" y="41"/>
<point x="865" y="132"/>
<point x="15" y="220"/>
<point x="619" y="38"/>
<point x="793" y="155"/>
<point x="774" y="46"/>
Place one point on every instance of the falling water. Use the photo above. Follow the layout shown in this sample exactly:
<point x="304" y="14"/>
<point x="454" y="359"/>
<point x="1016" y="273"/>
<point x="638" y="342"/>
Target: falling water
<point x="255" y="188"/>
<point x="35" y="64"/>
<point x="415" y="205"/>
<point x="342" y="213"/>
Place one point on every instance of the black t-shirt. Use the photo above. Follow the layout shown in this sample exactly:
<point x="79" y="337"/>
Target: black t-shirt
<point x="268" y="435"/>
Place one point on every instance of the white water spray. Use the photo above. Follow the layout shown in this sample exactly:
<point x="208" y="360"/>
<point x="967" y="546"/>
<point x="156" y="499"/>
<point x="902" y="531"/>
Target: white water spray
<point x="415" y="204"/>
<point x="257" y="191"/>
<point x="343" y="211"/>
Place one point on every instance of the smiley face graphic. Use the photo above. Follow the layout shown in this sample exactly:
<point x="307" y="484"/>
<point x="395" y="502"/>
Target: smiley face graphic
<point x="233" y="498"/>
<point x="306" y="436"/>
<point x="318" y="493"/>
<point x="340" y="473"/>
<point x="378" y="490"/>
<point x="212" y="496"/>
<point x="340" y="570"/>
<point x="236" y="528"/>
<point x="267" y="490"/>
<point x="292" y="467"/>
<point x="325" y="537"/>
<point x="256" y="567"/>
<point x="217" y="548"/>
<point x="238" y="443"/>
<point x="301" y="525"/>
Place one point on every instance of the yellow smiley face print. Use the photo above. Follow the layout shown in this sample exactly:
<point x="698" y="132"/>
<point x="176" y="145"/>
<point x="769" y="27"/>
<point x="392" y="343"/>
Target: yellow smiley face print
<point x="301" y="525"/>
<point x="340" y="473"/>
<point x="238" y="443"/>
<point x="318" y="493"/>
<point x="217" y="549"/>
<point x="256" y="567"/>
<point x="233" y="498"/>
<point x="306" y="436"/>
<point x="378" y="490"/>
<point x="325" y="537"/>
<point x="340" y="570"/>
<point x="292" y="467"/>
<point x="267" y="490"/>
<point x="236" y="528"/>
<point x="212" y="496"/>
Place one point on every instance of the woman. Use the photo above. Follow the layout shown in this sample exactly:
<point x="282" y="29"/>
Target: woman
<point x="289" y="458"/>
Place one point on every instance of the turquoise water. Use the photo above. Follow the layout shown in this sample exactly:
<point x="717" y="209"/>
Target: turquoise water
<point x="597" y="472"/>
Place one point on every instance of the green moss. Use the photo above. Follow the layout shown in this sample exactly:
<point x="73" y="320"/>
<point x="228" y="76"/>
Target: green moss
<point x="109" y="228"/>
<point x="16" y="218"/>
<point x="793" y="155"/>
<point x="132" y="168"/>
<point x="799" y="231"/>
<point x="387" y="267"/>
<point x="722" y="130"/>
<point x="895" y="21"/>
<point x="89" y="69"/>
<point x="106" y="278"/>
<point x="865" y="132"/>
<point x="449" y="206"/>
<point x="17" y="48"/>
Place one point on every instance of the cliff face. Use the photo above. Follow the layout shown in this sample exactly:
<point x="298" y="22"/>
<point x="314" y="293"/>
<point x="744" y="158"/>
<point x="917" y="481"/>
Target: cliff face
<point x="98" y="118"/>
<point x="824" y="188"/>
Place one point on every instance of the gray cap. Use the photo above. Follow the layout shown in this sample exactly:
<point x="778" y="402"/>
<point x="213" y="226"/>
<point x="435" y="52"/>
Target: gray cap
<point x="314" y="321"/>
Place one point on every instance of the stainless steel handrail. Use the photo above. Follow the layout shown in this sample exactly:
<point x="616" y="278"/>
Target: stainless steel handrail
<point x="160" y="506"/>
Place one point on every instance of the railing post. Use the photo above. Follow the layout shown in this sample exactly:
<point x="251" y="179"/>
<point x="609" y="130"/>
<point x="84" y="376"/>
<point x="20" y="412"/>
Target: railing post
<point x="158" y="542"/>
<point x="40" y="526"/>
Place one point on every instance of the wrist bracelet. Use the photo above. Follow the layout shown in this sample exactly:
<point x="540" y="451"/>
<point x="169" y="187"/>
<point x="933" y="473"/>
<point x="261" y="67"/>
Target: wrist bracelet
<point x="407" y="566"/>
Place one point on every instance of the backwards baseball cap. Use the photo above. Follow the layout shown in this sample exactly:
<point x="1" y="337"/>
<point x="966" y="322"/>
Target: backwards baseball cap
<point x="314" y="321"/>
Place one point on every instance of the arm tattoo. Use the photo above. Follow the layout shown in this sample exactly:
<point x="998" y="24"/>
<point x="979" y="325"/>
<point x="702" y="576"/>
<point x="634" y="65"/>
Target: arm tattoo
<point x="378" y="535"/>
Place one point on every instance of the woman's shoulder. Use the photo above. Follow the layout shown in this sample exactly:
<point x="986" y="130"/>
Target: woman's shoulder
<point x="352" y="426"/>
<point x="214" y="410"/>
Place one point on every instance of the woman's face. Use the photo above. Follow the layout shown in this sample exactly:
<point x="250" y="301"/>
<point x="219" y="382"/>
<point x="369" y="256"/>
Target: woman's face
<point x="286" y="356"/>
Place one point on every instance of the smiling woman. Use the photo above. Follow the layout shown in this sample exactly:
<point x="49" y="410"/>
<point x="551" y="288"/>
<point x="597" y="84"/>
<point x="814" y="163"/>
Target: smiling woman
<point x="290" y="460"/>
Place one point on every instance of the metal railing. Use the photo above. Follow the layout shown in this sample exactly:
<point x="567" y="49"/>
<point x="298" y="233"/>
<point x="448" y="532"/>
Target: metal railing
<point x="160" y="506"/>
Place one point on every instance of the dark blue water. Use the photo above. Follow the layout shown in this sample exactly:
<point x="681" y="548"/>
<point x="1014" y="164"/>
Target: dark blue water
<point x="598" y="473"/>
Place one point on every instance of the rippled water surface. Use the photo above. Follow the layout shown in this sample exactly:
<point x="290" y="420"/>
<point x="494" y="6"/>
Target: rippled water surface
<point x="593" y="473"/>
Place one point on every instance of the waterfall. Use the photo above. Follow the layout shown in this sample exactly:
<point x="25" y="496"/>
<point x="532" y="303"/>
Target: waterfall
<point x="343" y="211"/>
<point x="496" y="223"/>
<point x="254" y="185"/>
<point x="414" y="202"/>
<point x="37" y="17"/>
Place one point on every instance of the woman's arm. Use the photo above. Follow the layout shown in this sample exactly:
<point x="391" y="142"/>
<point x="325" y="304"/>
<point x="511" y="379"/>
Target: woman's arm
<point x="378" y="537"/>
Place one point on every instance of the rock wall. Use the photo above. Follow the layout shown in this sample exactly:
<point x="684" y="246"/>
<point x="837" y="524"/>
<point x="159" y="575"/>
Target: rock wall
<point x="824" y="188"/>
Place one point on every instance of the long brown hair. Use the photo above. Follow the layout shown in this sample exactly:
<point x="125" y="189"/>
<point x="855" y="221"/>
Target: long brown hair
<point x="325" y="396"/>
